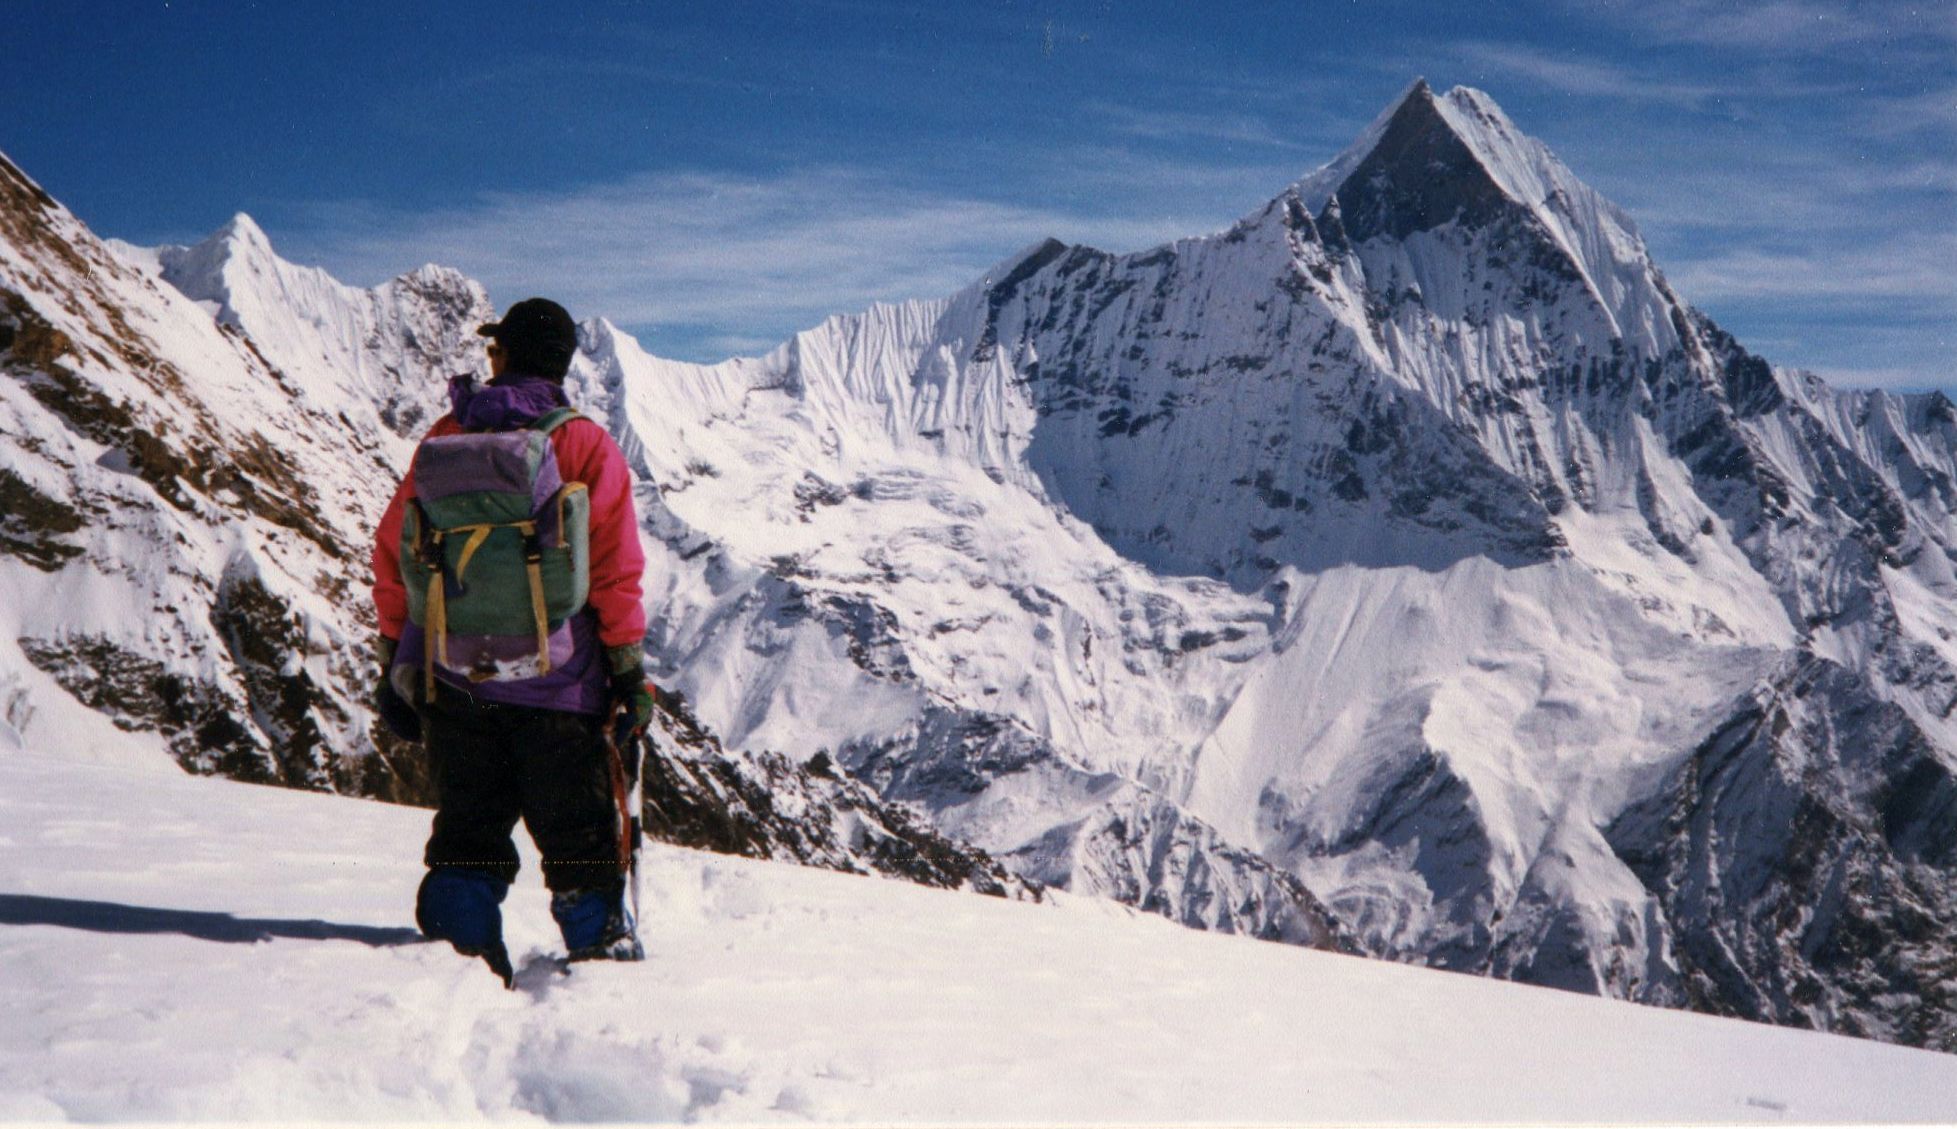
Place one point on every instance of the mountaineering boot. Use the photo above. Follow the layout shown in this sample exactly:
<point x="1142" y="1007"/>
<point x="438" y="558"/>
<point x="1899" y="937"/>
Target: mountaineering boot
<point x="496" y="957"/>
<point x="596" y="924"/>
<point x="460" y="906"/>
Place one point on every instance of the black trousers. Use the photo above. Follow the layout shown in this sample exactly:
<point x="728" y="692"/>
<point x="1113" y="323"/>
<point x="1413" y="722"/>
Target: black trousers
<point x="495" y="764"/>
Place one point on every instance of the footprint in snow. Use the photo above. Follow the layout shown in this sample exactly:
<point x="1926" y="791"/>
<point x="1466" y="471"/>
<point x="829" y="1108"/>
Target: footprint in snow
<point x="540" y="972"/>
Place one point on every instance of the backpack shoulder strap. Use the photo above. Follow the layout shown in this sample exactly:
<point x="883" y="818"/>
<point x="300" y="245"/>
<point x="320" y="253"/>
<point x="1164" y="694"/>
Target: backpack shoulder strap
<point x="555" y="418"/>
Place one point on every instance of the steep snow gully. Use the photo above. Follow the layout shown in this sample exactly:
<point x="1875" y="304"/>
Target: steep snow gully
<point x="1406" y="569"/>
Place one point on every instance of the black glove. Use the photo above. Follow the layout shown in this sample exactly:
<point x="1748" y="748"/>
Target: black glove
<point x="399" y="717"/>
<point x="630" y="697"/>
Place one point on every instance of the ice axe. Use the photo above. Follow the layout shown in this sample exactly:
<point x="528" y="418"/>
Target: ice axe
<point x="628" y="791"/>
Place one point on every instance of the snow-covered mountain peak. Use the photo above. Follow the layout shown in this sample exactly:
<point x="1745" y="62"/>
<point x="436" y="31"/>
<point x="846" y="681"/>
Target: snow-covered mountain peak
<point x="1041" y="251"/>
<point x="1531" y="174"/>
<point x="242" y="231"/>
<point x="1439" y="158"/>
<point x="1522" y="165"/>
<point x="432" y="275"/>
<point x="1455" y="165"/>
<point x="1503" y="530"/>
<point x="393" y="345"/>
<point x="1434" y="161"/>
<point x="230" y="267"/>
<point x="1321" y="184"/>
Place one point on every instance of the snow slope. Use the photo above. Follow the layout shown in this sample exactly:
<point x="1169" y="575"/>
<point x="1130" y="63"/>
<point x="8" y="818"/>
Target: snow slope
<point x="255" y="967"/>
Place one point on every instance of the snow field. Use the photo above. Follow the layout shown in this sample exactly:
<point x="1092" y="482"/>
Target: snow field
<point x="772" y="994"/>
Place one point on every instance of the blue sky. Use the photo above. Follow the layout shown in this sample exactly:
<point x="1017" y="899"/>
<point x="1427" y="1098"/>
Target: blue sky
<point x="715" y="176"/>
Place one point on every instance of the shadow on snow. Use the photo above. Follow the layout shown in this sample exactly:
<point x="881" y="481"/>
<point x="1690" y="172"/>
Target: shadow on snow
<point x="113" y="917"/>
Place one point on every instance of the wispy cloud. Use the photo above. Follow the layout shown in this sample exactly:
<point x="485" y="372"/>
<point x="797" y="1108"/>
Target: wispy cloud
<point x="1852" y="264"/>
<point x="1571" y="74"/>
<point x="1182" y="124"/>
<point x="1899" y="275"/>
<point x="708" y="261"/>
<point x="1749" y="78"/>
<point x="1815" y="210"/>
<point x="1787" y="27"/>
<point x="1795" y="195"/>
<point x="1932" y="111"/>
<point x="1852" y="351"/>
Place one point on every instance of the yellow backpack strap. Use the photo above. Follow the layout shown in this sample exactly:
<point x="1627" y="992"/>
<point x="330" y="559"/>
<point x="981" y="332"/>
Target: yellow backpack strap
<point x="435" y="639"/>
<point x="477" y="535"/>
<point x="564" y="493"/>
<point x="555" y="418"/>
<point x="437" y="634"/>
<point x="533" y="563"/>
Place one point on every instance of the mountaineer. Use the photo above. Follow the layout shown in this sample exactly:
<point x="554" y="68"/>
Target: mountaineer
<point x="507" y="573"/>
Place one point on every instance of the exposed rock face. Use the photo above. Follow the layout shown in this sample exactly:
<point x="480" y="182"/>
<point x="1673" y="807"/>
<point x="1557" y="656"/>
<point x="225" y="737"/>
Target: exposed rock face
<point x="766" y="806"/>
<point x="1122" y="840"/>
<point x="138" y="693"/>
<point x="34" y="527"/>
<point x="1803" y="855"/>
<point x="1419" y="176"/>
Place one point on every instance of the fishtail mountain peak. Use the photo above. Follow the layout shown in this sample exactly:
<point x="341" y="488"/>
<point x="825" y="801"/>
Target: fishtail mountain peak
<point x="1405" y="568"/>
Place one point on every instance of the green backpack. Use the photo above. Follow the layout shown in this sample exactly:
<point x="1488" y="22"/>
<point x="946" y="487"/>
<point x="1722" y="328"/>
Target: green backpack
<point x="495" y="553"/>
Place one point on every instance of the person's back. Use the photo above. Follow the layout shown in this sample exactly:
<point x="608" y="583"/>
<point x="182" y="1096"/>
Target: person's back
<point x="507" y="580"/>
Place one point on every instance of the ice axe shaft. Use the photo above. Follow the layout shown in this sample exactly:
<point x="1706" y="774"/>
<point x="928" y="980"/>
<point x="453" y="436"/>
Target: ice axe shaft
<point x="627" y="791"/>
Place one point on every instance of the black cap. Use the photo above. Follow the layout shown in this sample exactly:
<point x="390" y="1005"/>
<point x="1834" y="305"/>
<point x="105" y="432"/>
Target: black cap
<point x="537" y="335"/>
